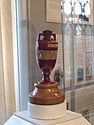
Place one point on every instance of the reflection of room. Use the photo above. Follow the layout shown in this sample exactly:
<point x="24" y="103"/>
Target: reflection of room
<point x="20" y="24"/>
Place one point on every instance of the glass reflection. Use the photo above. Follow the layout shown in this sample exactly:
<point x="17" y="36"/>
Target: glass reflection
<point x="74" y="8"/>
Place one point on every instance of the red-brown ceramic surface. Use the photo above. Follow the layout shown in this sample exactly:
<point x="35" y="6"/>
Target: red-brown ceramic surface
<point x="46" y="91"/>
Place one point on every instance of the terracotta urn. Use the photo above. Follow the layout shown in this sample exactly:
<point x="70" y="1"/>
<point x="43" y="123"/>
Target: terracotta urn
<point x="46" y="92"/>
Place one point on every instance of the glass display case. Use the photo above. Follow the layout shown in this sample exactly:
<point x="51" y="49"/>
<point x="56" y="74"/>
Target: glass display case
<point x="72" y="21"/>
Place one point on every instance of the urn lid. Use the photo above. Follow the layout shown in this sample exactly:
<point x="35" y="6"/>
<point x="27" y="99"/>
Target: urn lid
<point x="47" y="35"/>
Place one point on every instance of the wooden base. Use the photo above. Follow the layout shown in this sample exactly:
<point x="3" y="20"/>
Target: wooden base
<point x="46" y="94"/>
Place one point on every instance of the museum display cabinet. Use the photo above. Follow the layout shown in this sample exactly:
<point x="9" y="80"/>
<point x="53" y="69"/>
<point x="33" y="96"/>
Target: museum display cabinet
<point x="72" y="22"/>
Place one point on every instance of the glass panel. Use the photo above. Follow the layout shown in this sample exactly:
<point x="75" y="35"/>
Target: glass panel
<point x="22" y="46"/>
<point x="79" y="57"/>
<point x="74" y="70"/>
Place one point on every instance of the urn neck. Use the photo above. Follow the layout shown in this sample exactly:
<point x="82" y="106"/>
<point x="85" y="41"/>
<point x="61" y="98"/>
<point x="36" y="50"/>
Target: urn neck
<point x="46" y="77"/>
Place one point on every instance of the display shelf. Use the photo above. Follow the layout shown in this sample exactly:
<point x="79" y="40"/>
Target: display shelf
<point x="71" y="118"/>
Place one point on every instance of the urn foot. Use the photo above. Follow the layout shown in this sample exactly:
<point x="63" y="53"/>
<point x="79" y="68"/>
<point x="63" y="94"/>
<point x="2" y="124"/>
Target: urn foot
<point x="48" y="94"/>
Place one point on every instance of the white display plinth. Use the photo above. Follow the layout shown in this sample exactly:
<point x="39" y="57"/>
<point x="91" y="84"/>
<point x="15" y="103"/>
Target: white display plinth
<point x="47" y="111"/>
<point x="71" y="118"/>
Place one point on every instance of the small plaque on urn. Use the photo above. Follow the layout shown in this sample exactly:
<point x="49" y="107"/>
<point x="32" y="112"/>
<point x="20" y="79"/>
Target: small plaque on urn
<point x="46" y="92"/>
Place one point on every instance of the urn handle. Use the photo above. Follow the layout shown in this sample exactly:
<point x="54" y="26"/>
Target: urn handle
<point x="47" y="35"/>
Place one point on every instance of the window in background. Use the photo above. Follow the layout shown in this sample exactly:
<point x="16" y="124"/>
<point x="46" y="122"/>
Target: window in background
<point x="76" y="10"/>
<point x="78" y="31"/>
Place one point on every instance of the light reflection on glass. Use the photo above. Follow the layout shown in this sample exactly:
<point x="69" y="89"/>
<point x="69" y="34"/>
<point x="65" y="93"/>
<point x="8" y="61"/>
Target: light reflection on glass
<point x="67" y="7"/>
<point x="74" y="8"/>
<point x="77" y="8"/>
